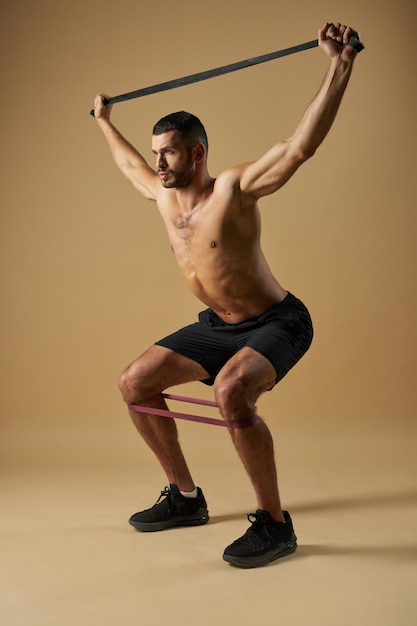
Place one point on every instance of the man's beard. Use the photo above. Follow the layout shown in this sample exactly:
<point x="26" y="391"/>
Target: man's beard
<point x="179" y="179"/>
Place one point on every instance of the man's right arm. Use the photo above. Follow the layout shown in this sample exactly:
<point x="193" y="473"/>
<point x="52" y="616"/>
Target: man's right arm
<point x="132" y="164"/>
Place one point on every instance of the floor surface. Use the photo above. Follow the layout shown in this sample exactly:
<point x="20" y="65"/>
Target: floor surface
<point x="70" y="558"/>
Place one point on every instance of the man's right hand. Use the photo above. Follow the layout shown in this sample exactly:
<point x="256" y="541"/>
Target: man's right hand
<point x="101" y="110"/>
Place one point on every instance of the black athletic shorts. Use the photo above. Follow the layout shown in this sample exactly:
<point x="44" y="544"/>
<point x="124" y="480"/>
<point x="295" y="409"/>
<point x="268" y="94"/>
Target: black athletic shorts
<point x="282" y="334"/>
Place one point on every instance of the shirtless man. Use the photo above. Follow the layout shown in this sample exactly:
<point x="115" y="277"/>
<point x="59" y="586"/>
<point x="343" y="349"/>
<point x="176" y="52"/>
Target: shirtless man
<point x="254" y="330"/>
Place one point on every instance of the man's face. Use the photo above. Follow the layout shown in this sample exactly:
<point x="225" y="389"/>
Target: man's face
<point x="174" y="162"/>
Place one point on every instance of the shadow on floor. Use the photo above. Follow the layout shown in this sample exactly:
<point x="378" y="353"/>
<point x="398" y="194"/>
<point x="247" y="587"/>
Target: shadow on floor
<point x="406" y="498"/>
<point x="364" y="501"/>
<point x="394" y="553"/>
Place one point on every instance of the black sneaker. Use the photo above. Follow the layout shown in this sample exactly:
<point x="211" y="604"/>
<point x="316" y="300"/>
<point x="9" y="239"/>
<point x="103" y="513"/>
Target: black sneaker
<point x="174" y="510"/>
<point x="265" y="541"/>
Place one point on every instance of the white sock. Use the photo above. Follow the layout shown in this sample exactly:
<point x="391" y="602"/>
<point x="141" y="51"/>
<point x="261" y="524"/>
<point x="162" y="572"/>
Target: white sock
<point x="189" y="494"/>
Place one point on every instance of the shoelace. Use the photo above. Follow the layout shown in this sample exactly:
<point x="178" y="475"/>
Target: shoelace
<point x="165" y="492"/>
<point x="257" y="535"/>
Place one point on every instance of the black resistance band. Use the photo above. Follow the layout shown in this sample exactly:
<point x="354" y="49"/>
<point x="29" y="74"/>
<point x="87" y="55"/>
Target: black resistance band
<point x="219" y="71"/>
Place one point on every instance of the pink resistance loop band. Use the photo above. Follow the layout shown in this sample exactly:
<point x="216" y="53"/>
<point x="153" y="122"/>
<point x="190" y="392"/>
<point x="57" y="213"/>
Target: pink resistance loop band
<point x="243" y="423"/>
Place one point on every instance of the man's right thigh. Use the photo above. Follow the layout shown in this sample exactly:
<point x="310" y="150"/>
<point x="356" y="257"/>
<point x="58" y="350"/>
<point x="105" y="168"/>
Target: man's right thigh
<point x="159" y="368"/>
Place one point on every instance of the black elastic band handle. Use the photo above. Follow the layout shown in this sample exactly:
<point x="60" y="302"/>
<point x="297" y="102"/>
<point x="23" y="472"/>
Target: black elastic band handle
<point x="356" y="44"/>
<point x="219" y="71"/>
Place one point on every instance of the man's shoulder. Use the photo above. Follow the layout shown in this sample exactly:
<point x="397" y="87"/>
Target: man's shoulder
<point x="230" y="177"/>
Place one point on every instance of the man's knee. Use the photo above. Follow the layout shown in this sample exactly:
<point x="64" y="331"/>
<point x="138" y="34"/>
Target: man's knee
<point x="133" y="381"/>
<point x="126" y="384"/>
<point x="232" y="396"/>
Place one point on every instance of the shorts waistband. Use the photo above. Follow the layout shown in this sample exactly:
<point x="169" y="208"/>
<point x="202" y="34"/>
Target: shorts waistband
<point x="210" y="317"/>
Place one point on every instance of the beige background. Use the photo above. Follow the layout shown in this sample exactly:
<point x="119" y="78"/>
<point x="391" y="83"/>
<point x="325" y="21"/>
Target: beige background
<point x="88" y="282"/>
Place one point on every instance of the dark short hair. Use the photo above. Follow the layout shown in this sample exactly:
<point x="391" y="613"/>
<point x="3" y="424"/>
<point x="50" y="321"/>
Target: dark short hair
<point x="187" y="125"/>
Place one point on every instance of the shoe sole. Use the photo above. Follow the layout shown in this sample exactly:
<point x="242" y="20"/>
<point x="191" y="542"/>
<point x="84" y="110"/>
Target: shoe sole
<point x="263" y="559"/>
<point x="200" y="518"/>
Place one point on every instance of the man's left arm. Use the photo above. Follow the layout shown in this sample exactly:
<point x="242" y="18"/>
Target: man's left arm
<point x="276" y="167"/>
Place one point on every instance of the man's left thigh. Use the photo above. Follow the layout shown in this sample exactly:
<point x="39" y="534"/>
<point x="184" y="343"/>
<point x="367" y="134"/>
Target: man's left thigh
<point x="252" y="372"/>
